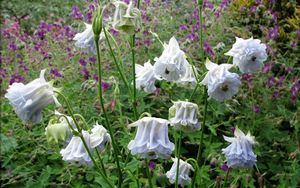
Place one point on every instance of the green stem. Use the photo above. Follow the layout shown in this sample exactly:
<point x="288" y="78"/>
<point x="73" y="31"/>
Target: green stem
<point x="178" y="158"/>
<point x="133" y="77"/>
<point x="148" y="173"/>
<point x="101" y="162"/>
<point x="200" y="6"/>
<point x="115" y="60"/>
<point x="115" y="147"/>
<point x="82" y="138"/>
<point x="226" y="177"/>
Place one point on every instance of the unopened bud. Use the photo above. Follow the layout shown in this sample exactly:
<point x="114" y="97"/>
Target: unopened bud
<point x="97" y="23"/>
<point x="56" y="131"/>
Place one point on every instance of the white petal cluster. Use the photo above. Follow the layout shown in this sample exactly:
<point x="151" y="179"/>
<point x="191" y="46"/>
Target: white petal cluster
<point x="85" y="40"/>
<point x="248" y="54"/>
<point x="75" y="150"/>
<point x="221" y="83"/>
<point x="29" y="100"/>
<point x="145" y="77"/>
<point x="126" y="17"/>
<point x="99" y="137"/>
<point x="183" y="173"/>
<point x="189" y="77"/>
<point x="172" y="64"/>
<point x="151" y="140"/>
<point x="239" y="153"/>
<point x="184" y="115"/>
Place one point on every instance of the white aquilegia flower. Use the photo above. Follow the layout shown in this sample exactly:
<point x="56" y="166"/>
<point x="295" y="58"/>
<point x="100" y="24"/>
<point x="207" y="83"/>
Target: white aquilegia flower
<point x="99" y="137"/>
<point x="57" y="129"/>
<point x="151" y="140"/>
<point x="189" y="77"/>
<point x="126" y="17"/>
<point x="221" y="83"/>
<point x="85" y="40"/>
<point x="75" y="150"/>
<point x="29" y="100"/>
<point x="184" y="115"/>
<point x="172" y="64"/>
<point x="145" y="77"/>
<point x="248" y="54"/>
<point x="239" y="153"/>
<point x="183" y="173"/>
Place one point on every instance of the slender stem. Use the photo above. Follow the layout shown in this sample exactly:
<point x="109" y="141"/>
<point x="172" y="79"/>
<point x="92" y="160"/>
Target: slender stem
<point x="101" y="162"/>
<point x="115" y="147"/>
<point x="226" y="177"/>
<point x="200" y="6"/>
<point x="148" y="173"/>
<point x="82" y="138"/>
<point x="133" y="76"/>
<point x="115" y="61"/>
<point x="178" y="158"/>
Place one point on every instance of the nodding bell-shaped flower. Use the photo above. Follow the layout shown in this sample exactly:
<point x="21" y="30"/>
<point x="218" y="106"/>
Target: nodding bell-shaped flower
<point x="57" y="129"/>
<point x="184" y="116"/>
<point x="126" y="17"/>
<point x="145" y="77"/>
<point x="172" y="64"/>
<point x="248" y="54"/>
<point x="99" y="137"/>
<point x="29" y="100"/>
<point x="75" y="150"/>
<point x="151" y="140"/>
<point x="239" y="153"/>
<point x="85" y="40"/>
<point x="183" y="173"/>
<point x="221" y="83"/>
<point x="189" y="77"/>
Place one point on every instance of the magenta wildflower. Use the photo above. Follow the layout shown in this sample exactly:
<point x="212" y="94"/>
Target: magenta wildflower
<point x="208" y="49"/>
<point x="256" y="108"/>
<point x="183" y="27"/>
<point x="56" y="73"/>
<point x="85" y="73"/>
<point x="82" y="62"/>
<point x="12" y="46"/>
<point x="152" y="165"/>
<point x="273" y="33"/>
<point x="224" y="167"/>
<point x="75" y="13"/>
<point x="275" y="95"/>
<point x="267" y="68"/>
<point x="16" y="78"/>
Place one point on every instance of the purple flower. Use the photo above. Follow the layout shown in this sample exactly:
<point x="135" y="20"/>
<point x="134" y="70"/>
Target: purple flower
<point x="114" y="32"/>
<point x="273" y="33"/>
<point x="224" y="167"/>
<point x="195" y="27"/>
<point x="147" y="42"/>
<point x="75" y="13"/>
<point x="253" y="9"/>
<point x="207" y="4"/>
<point x="183" y="27"/>
<point x="256" y="108"/>
<point x="105" y="86"/>
<point x="267" y="68"/>
<point x="193" y="37"/>
<point x="224" y="3"/>
<point x="217" y="13"/>
<point x="85" y="73"/>
<point x="275" y="95"/>
<point x="271" y="81"/>
<point x="55" y="72"/>
<point x="208" y="49"/>
<point x="295" y="88"/>
<point x="92" y="59"/>
<point x="82" y="62"/>
<point x="12" y="46"/>
<point x="152" y="165"/>
<point x="16" y="78"/>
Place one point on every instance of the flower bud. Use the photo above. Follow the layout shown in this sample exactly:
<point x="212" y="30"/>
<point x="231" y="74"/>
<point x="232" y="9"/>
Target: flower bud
<point x="97" y="23"/>
<point x="57" y="130"/>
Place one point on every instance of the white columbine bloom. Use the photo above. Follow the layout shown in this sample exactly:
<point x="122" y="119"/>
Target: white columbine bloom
<point x="126" y="17"/>
<point x="184" y="115"/>
<point x="248" y="54"/>
<point x="85" y="40"/>
<point x="145" y="77"/>
<point x="172" y="64"/>
<point x="29" y="100"/>
<point x="183" y="173"/>
<point x="75" y="150"/>
<point x="239" y="153"/>
<point x="99" y="137"/>
<point x="221" y="83"/>
<point x="151" y="140"/>
<point x="189" y="78"/>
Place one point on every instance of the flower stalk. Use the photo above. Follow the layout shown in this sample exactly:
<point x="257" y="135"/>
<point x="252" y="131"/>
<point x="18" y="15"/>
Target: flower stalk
<point x="178" y="157"/>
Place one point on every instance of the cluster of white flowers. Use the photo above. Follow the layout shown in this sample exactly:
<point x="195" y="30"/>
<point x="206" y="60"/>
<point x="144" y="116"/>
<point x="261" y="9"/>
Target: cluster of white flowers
<point x="183" y="172"/>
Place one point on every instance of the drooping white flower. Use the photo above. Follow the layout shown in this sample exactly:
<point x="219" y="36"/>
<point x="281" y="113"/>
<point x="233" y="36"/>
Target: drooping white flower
<point x="29" y="100"/>
<point x="184" y="115"/>
<point x="58" y="128"/>
<point x="99" y="137"/>
<point x="239" y="153"/>
<point x="183" y="173"/>
<point x="145" y="77"/>
<point x="151" y="140"/>
<point x="75" y="150"/>
<point x="126" y="17"/>
<point x="85" y="40"/>
<point x="248" y="54"/>
<point x="189" y="77"/>
<point x="172" y="64"/>
<point x="221" y="83"/>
